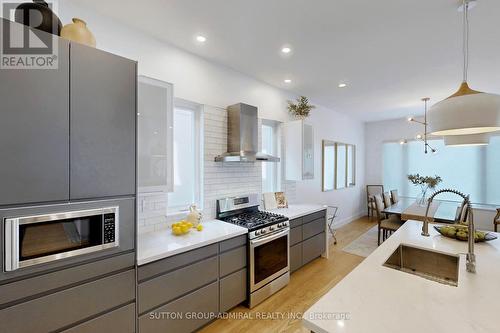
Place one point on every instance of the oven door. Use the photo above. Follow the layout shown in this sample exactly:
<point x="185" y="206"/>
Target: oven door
<point x="34" y="240"/>
<point x="269" y="258"/>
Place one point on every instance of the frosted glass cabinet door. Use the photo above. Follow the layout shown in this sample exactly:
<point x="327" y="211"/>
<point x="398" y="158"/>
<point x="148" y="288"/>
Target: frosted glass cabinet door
<point x="155" y="110"/>
<point x="308" y="151"/>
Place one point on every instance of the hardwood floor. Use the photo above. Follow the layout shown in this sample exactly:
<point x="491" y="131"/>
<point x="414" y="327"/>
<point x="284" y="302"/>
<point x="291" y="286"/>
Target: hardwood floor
<point x="280" y="313"/>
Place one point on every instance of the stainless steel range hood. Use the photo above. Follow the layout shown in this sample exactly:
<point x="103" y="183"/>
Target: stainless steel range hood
<point x="243" y="136"/>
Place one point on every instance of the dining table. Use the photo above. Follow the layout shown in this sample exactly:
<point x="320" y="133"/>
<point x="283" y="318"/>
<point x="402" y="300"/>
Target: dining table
<point x="407" y="208"/>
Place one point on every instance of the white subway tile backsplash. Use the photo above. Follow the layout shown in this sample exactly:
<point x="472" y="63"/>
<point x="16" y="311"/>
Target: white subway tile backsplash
<point x="220" y="179"/>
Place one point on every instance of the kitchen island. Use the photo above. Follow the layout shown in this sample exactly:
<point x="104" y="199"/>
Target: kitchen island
<point x="374" y="298"/>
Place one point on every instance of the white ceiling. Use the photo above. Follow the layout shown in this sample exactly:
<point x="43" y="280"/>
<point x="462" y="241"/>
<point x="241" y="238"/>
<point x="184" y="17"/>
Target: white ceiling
<point x="390" y="52"/>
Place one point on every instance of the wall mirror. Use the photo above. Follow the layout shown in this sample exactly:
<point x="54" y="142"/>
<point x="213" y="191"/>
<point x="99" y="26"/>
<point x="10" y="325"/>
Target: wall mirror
<point x="339" y="165"/>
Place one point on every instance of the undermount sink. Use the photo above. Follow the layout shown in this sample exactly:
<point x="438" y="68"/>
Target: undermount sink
<point x="431" y="265"/>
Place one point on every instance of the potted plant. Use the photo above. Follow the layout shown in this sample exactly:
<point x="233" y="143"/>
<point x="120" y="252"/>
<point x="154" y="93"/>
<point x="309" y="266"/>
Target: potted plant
<point x="425" y="183"/>
<point x="301" y="109"/>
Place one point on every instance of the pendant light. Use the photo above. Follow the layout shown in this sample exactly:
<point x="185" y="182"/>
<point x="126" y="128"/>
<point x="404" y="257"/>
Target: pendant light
<point x="482" y="139"/>
<point x="467" y="111"/>
<point x="423" y="138"/>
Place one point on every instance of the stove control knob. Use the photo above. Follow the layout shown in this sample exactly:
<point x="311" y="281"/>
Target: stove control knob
<point x="263" y="231"/>
<point x="272" y="228"/>
<point x="257" y="233"/>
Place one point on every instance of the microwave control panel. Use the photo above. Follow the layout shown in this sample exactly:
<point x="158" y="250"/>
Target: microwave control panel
<point x="109" y="228"/>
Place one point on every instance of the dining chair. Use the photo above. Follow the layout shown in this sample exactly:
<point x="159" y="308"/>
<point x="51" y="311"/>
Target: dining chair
<point x="496" y="220"/>
<point x="394" y="196"/>
<point x="371" y="190"/>
<point x="387" y="199"/>
<point x="385" y="225"/>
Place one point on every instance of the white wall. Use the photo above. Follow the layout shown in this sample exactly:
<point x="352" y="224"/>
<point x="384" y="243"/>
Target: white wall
<point x="333" y="126"/>
<point x="204" y="82"/>
<point x="376" y="133"/>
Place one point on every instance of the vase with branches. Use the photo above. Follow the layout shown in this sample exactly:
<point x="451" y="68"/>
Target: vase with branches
<point x="301" y="109"/>
<point x="425" y="183"/>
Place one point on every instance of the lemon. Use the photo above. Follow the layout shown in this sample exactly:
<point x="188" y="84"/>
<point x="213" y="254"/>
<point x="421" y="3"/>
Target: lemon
<point x="185" y="229"/>
<point x="177" y="231"/>
<point x="189" y="224"/>
<point x="199" y="227"/>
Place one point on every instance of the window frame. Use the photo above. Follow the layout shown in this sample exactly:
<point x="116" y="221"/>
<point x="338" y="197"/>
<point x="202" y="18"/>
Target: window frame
<point x="277" y="166"/>
<point x="197" y="110"/>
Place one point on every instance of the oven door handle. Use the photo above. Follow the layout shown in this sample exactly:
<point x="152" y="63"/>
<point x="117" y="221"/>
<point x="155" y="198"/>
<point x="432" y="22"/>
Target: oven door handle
<point x="269" y="238"/>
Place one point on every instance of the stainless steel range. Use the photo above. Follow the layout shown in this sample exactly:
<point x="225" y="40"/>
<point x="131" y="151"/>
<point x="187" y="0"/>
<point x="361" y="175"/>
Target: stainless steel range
<point x="268" y="245"/>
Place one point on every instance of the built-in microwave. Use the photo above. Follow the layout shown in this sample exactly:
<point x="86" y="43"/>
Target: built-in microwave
<point x="34" y="240"/>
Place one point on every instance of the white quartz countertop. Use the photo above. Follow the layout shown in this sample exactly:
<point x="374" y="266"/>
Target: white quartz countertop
<point x="297" y="210"/>
<point x="374" y="298"/>
<point x="161" y="244"/>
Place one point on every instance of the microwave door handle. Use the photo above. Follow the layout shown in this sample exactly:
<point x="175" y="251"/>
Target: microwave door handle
<point x="270" y="237"/>
<point x="11" y="244"/>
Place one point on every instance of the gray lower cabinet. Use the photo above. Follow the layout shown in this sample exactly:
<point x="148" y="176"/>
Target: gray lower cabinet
<point x="34" y="131"/>
<point x="233" y="290"/>
<point x="307" y="239"/>
<point x="121" y="320"/>
<point x="102" y="123"/>
<point x="185" y="314"/>
<point x="64" y="308"/>
<point x="201" y="282"/>
<point x="295" y="257"/>
<point x="313" y="247"/>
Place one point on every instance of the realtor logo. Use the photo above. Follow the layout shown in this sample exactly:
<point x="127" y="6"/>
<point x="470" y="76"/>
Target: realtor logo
<point x="22" y="47"/>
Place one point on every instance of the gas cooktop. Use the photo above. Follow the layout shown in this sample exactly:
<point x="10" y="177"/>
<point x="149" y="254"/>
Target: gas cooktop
<point x="255" y="220"/>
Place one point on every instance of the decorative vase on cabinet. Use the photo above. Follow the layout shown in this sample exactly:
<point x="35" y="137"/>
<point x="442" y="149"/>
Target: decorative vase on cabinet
<point x="299" y="150"/>
<point x="38" y="12"/>
<point x="78" y="32"/>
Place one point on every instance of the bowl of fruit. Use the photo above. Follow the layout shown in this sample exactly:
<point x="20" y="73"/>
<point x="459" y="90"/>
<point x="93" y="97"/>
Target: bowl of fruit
<point x="461" y="232"/>
<point x="184" y="227"/>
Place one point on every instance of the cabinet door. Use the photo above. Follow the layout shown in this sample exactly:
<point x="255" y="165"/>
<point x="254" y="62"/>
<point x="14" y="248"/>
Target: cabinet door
<point x="34" y="131"/>
<point x="154" y="135"/>
<point x="102" y="124"/>
<point x="308" y="152"/>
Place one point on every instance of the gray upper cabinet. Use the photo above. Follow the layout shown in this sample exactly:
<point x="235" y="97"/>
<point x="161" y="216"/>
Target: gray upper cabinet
<point x="34" y="132"/>
<point x="102" y="124"/>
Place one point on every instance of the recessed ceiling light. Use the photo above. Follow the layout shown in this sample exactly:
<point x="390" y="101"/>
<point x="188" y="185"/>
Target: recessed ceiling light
<point x="201" y="39"/>
<point x="342" y="85"/>
<point x="287" y="81"/>
<point x="286" y="50"/>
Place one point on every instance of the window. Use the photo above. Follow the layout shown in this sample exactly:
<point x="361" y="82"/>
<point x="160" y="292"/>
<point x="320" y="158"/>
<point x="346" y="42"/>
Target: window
<point x="187" y="157"/>
<point x="271" y="171"/>
<point x="472" y="170"/>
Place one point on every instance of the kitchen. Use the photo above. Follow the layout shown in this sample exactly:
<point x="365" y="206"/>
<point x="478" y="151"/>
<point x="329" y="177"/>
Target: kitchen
<point x="210" y="142"/>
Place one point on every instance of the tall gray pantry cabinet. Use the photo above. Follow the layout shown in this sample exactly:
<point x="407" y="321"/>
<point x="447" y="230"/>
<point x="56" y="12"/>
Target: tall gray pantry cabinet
<point x="68" y="143"/>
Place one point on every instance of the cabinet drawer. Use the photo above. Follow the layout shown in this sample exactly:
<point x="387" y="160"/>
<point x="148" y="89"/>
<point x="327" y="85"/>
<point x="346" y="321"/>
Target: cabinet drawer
<point x="165" y="288"/>
<point x="121" y="320"/>
<point x="232" y="243"/>
<point x="233" y="260"/>
<point x="313" y="228"/>
<point x="295" y="257"/>
<point x="204" y="301"/>
<point x="314" y="216"/>
<point x="295" y="222"/>
<point x="295" y="235"/>
<point x="313" y="248"/>
<point x="233" y="290"/>
<point x="174" y="262"/>
<point x="52" y="312"/>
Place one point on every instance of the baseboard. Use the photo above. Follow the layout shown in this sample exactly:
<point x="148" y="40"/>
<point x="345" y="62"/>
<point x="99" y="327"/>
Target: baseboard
<point x="347" y="220"/>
